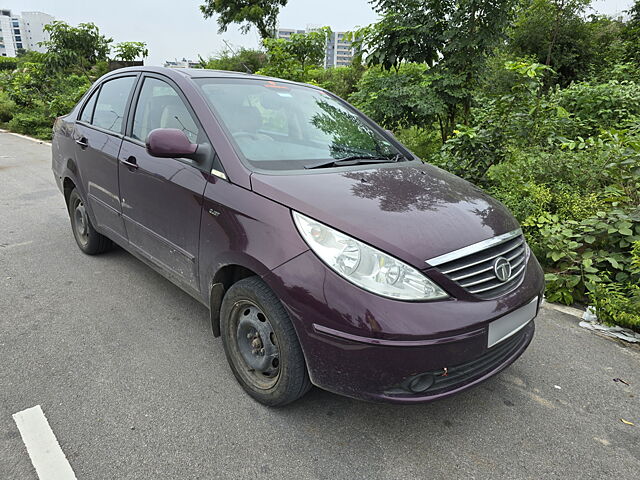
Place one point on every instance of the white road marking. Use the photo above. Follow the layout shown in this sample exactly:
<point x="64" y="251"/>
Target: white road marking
<point x="43" y="447"/>
<point x="14" y="245"/>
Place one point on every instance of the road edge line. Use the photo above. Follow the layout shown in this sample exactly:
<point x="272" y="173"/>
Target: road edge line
<point x="42" y="445"/>
<point x="25" y="137"/>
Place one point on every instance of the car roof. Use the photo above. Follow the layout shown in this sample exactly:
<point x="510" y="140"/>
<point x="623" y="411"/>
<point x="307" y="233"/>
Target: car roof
<point x="202" y="73"/>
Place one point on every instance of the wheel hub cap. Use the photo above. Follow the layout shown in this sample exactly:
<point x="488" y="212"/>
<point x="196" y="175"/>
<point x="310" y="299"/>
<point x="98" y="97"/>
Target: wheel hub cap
<point x="256" y="342"/>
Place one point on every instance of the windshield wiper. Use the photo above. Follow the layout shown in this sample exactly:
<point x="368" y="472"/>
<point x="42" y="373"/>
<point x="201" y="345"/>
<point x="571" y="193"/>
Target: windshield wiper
<point x="354" y="160"/>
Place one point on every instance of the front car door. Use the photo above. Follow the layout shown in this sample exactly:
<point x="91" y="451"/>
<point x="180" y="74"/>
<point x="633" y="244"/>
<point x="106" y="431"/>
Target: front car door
<point x="162" y="197"/>
<point x="98" y="136"/>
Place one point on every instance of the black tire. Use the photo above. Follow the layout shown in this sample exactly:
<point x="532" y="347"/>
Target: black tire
<point x="252" y="316"/>
<point x="89" y="241"/>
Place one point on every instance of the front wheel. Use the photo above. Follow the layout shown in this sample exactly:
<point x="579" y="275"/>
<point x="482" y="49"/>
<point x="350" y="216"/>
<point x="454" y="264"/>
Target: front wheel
<point x="88" y="239"/>
<point x="261" y="344"/>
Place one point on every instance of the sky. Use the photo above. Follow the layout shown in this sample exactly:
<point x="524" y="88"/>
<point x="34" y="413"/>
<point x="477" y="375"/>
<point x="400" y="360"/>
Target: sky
<point x="176" y="29"/>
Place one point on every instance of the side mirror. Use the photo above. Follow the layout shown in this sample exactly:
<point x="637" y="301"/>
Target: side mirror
<point x="170" y="143"/>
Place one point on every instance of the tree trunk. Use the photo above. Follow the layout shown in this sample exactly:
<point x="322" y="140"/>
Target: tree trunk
<point x="559" y="8"/>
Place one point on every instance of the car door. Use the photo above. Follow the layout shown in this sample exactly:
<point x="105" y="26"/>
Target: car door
<point x="98" y="135"/>
<point x="162" y="197"/>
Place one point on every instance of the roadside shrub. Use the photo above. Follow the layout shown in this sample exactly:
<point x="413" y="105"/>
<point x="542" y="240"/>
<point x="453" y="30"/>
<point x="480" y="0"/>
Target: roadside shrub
<point x="33" y="122"/>
<point x="425" y="143"/>
<point x="7" y="108"/>
<point x="617" y="304"/>
<point x="600" y="106"/>
<point x="471" y="151"/>
<point x="579" y="256"/>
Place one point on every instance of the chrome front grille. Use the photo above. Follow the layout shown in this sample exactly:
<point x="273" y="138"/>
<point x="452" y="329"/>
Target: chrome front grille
<point x="474" y="267"/>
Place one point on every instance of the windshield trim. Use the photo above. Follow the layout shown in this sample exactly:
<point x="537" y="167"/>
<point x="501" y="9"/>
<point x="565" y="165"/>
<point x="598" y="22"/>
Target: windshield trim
<point x="247" y="163"/>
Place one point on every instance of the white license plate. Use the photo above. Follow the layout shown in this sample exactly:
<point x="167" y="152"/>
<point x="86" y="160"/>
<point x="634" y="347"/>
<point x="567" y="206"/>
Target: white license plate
<point x="512" y="322"/>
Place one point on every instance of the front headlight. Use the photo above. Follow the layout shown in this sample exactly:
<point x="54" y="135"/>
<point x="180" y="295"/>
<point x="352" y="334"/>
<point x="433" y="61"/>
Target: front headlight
<point x="366" y="266"/>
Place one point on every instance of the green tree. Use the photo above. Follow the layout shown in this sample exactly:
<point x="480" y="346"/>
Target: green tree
<point x="399" y="98"/>
<point x="130" y="51"/>
<point x="453" y="37"/>
<point x="292" y="58"/>
<point x="262" y="14"/>
<point x="74" y="48"/>
<point x="244" y="60"/>
<point x="554" y="33"/>
<point x="632" y="34"/>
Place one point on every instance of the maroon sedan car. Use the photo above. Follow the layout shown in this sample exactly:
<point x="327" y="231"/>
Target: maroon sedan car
<point x="327" y="253"/>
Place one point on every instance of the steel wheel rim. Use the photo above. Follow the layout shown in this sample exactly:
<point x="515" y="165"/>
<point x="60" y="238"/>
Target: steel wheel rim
<point x="81" y="223"/>
<point x="255" y="345"/>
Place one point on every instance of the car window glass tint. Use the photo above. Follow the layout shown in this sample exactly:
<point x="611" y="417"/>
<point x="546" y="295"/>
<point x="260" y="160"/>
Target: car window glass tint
<point x="159" y="106"/>
<point x="87" y="111"/>
<point x="112" y="101"/>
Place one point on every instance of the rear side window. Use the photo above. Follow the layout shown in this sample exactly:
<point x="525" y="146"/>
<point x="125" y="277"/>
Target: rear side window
<point x="87" y="111"/>
<point x="160" y="106"/>
<point x="111" y="104"/>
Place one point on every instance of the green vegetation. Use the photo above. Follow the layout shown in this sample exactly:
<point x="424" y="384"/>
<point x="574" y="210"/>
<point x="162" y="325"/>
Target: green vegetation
<point x="244" y="60"/>
<point x="533" y="100"/>
<point x="261" y="14"/>
<point x="35" y="88"/>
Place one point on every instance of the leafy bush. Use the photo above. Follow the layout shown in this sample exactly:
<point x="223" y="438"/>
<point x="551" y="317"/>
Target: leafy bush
<point x="7" y="107"/>
<point x="8" y="63"/>
<point x="398" y="99"/>
<point x="613" y="104"/>
<point x="581" y="255"/>
<point x="342" y="81"/>
<point x="425" y="143"/>
<point x="617" y="304"/>
<point x="245" y="59"/>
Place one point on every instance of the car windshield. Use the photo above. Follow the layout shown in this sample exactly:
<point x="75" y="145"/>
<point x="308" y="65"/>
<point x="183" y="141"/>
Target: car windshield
<point x="281" y="126"/>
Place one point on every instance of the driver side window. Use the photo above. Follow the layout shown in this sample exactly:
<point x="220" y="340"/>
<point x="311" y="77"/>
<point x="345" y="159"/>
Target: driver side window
<point x="160" y="106"/>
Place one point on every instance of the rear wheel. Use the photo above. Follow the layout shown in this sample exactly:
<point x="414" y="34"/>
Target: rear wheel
<point x="88" y="239"/>
<point x="261" y="345"/>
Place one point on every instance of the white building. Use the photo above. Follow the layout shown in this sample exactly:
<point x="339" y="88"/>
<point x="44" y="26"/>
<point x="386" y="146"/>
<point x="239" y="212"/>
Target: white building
<point x="22" y="31"/>
<point x="338" y="52"/>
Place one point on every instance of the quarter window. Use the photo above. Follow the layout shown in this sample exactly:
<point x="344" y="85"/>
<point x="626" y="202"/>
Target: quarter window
<point x="111" y="104"/>
<point x="87" y="111"/>
<point x="160" y="106"/>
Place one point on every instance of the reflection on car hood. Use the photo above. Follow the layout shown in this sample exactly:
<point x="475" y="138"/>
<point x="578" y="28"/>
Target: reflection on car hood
<point x="412" y="210"/>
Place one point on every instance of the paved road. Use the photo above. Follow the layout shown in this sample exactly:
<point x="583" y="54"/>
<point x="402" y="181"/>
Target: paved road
<point x="135" y="387"/>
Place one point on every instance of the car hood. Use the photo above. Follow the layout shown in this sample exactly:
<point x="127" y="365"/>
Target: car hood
<point x="413" y="211"/>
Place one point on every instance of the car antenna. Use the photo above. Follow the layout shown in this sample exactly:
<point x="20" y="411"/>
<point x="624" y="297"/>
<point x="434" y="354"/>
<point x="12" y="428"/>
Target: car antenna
<point x="233" y="51"/>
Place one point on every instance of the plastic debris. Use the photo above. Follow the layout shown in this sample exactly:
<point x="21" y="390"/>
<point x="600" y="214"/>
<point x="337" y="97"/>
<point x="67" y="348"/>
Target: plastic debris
<point x="627" y="422"/>
<point x="590" y="321"/>
<point x="589" y="315"/>
<point x="558" y="387"/>
<point x="621" y="381"/>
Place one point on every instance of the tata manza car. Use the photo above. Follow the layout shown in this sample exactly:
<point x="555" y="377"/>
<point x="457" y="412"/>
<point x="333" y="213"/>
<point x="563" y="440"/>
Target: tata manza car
<point x="327" y="253"/>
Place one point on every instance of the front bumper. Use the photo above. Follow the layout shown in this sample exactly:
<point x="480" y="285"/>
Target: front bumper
<point x="365" y="346"/>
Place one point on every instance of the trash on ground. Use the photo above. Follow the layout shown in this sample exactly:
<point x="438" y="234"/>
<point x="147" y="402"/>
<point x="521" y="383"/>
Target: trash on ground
<point x="627" y="422"/>
<point x="558" y="387"/>
<point x="590" y="321"/>
<point x="621" y="381"/>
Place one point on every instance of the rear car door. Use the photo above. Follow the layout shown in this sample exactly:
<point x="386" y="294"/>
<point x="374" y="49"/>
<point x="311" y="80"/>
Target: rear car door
<point x="98" y="137"/>
<point x="162" y="197"/>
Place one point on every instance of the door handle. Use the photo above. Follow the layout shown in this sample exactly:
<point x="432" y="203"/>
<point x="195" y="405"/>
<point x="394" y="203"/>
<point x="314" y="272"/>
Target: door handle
<point x="82" y="142"/>
<point x="130" y="162"/>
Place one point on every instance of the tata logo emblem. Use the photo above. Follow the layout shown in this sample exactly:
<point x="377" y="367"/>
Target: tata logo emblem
<point x="502" y="269"/>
